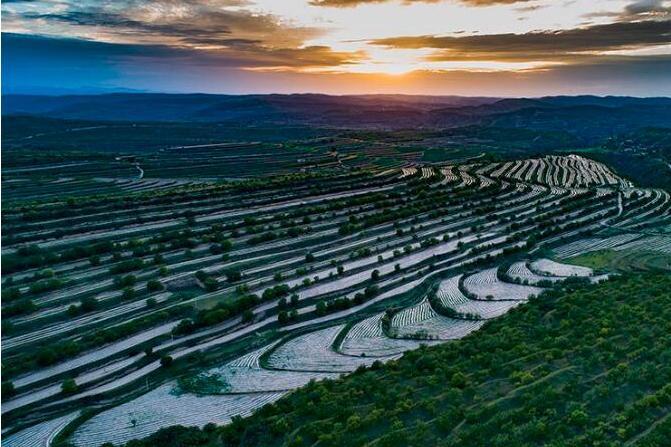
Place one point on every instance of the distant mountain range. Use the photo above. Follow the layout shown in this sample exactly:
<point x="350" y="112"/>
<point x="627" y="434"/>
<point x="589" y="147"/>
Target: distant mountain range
<point x="587" y="116"/>
<point x="202" y="107"/>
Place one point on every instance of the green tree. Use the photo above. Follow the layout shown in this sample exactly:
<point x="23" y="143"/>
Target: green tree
<point x="154" y="285"/>
<point x="233" y="276"/>
<point x="128" y="293"/>
<point x="8" y="390"/>
<point x="166" y="361"/>
<point x="247" y="316"/>
<point x="69" y="386"/>
<point x="88" y="304"/>
<point x="211" y="284"/>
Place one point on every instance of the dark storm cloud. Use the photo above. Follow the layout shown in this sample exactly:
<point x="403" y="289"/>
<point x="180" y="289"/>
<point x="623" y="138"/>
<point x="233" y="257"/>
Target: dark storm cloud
<point x="541" y="45"/>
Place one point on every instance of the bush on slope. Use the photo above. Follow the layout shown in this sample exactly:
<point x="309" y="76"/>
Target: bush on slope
<point x="579" y="366"/>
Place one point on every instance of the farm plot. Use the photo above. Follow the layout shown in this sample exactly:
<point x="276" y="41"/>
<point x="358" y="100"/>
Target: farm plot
<point x="486" y="310"/>
<point x="449" y="293"/>
<point x="245" y="375"/>
<point x="385" y="268"/>
<point x="314" y="352"/>
<point x="451" y="296"/>
<point x="427" y="173"/>
<point x="448" y="176"/>
<point x="593" y="244"/>
<point x="367" y="339"/>
<point x="408" y="172"/>
<point x="564" y="171"/>
<point x="39" y="435"/>
<point x="552" y="268"/>
<point x="164" y="407"/>
<point x="422" y="322"/>
<point x="658" y="210"/>
<point x="81" y="380"/>
<point x="660" y="244"/>
<point x="485" y="285"/>
<point x="521" y="272"/>
<point x="94" y="356"/>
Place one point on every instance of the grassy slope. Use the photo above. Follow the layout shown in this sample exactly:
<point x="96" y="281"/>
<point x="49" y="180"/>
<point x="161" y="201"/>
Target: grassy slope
<point x="587" y="366"/>
<point x="624" y="260"/>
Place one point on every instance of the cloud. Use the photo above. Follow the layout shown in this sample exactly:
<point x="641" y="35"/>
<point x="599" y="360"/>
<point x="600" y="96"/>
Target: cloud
<point x="647" y="8"/>
<point x="189" y="22"/>
<point x="203" y="31"/>
<point x="530" y="8"/>
<point x="353" y="3"/>
<point x="639" y="10"/>
<point x="242" y="55"/>
<point x="540" y="45"/>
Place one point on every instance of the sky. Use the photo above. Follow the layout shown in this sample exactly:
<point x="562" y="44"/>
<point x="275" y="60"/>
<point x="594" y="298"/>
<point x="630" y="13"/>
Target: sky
<point x="435" y="47"/>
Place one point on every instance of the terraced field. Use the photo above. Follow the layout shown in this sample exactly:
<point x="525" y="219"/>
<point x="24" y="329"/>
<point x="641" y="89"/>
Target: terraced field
<point x="192" y="302"/>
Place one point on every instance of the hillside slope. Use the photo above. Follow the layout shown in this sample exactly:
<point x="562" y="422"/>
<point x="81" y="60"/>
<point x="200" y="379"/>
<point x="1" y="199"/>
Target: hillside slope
<point x="586" y="365"/>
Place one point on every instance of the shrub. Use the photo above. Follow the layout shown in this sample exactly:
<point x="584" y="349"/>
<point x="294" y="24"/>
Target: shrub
<point x="20" y="307"/>
<point x="233" y="276"/>
<point x="154" y="285"/>
<point x="166" y="361"/>
<point x="69" y="386"/>
<point x="45" y="285"/>
<point x="128" y="293"/>
<point x="8" y="390"/>
<point x="185" y="326"/>
<point x="211" y="284"/>
<point x="125" y="281"/>
<point x="126" y="266"/>
<point x="11" y="294"/>
<point x="88" y="304"/>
